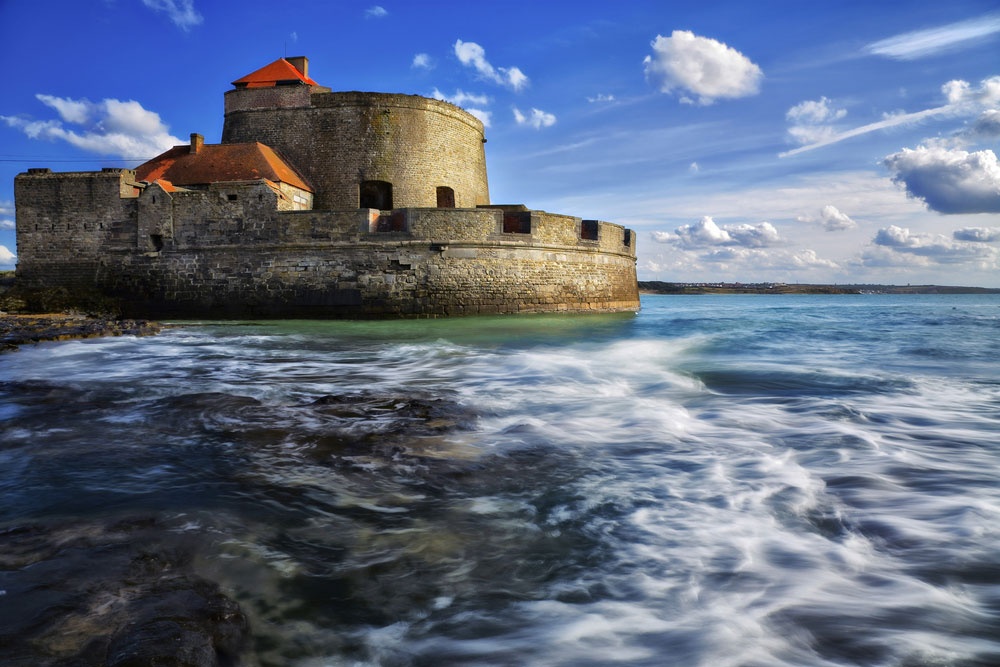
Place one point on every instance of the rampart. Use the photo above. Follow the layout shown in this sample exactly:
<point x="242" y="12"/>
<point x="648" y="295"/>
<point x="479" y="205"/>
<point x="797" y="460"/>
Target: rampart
<point x="230" y="251"/>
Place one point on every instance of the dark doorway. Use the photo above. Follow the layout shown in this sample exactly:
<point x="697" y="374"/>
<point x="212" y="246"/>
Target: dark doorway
<point x="445" y="197"/>
<point x="376" y="194"/>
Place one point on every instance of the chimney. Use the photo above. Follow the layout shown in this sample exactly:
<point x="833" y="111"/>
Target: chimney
<point x="300" y="63"/>
<point x="197" y="141"/>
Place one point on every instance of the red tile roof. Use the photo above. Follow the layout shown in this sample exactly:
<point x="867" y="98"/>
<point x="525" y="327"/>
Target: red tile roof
<point x="218" y="163"/>
<point x="269" y="76"/>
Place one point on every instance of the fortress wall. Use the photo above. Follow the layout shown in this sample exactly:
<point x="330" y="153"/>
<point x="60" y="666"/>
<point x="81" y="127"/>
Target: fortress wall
<point x="414" y="143"/>
<point x="228" y="252"/>
<point x="368" y="280"/>
<point x="258" y="98"/>
<point x="447" y="224"/>
<point x="66" y="220"/>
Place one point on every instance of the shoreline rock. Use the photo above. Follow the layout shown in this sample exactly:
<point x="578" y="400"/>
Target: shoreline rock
<point x="17" y="329"/>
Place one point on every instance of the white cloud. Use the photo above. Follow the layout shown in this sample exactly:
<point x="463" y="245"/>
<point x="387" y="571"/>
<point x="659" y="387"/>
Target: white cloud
<point x="977" y="234"/>
<point x="934" y="248"/>
<point x="815" y="111"/>
<point x="922" y="43"/>
<point x="473" y="55"/>
<point x="109" y="127"/>
<point x="6" y="224"/>
<point x="756" y="259"/>
<point x="7" y="258"/>
<point x="601" y="97"/>
<point x="376" y="12"/>
<point x="962" y="100"/>
<point x="538" y="118"/>
<point x="987" y="126"/>
<point x="485" y="117"/>
<point x="462" y="99"/>
<point x="705" y="67"/>
<point x="181" y="12"/>
<point x="949" y="180"/>
<point x="694" y="168"/>
<point x="706" y="233"/>
<point x="422" y="61"/>
<point x="831" y="218"/>
<point x="811" y="121"/>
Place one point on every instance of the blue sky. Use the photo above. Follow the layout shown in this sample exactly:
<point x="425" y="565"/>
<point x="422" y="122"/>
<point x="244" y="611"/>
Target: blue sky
<point x="743" y="141"/>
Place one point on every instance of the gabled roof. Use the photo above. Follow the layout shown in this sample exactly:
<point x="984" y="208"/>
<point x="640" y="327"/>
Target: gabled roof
<point x="280" y="71"/>
<point x="219" y="163"/>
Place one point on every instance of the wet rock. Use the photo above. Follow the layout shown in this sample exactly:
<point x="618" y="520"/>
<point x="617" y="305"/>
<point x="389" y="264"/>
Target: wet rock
<point x="123" y="594"/>
<point x="21" y="329"/>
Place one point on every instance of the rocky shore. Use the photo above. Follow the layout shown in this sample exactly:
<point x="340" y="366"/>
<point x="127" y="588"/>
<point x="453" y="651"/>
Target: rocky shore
<point x="18" y="329"/>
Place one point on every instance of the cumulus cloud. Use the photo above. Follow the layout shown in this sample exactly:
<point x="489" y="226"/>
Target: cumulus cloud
<point x="376" y="12"/>
<point x="473" y="55"/>
<point x="831" y="218"/>
<point x="705" y="67"/>
<point x="932" y="41"/>
<point x="7" y="258"/>
<point x="977" y="234"/>
<point x="537" y="118"/>
<point x="962" y="100"/>
<point x="948" y="180"/>
<point x="181" y="12"/>
<point x="460" y="98"/>
<point x="706" y="233"/>
<point x="109" y="127"/>
<point x="811" y="120"/>
<point x="987" y="126"/>
<point x="934" y="248"/>
<point x="422" y="61"/>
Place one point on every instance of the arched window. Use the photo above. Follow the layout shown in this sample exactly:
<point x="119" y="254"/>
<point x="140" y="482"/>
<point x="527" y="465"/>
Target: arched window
<point x="376" y="194"/>
<point x="445" y="197"/>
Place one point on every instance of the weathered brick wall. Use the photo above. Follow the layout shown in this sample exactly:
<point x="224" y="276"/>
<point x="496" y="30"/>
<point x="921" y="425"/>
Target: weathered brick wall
<point x="229" y="251"/>
<point x="65" y="221"/>
<point x="414" y="143"/>
<point x="369" y="280"/>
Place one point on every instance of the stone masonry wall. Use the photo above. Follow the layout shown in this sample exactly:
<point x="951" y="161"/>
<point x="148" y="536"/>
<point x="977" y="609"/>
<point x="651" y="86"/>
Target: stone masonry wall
<point x="228" y="251"/>
<point x="412" y="142"/>
<point x="65" y="221"/>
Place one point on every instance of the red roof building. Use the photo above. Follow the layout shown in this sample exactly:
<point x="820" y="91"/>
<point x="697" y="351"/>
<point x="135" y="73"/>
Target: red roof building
<point x="282" y="72"/>
<point x="202" y="164"/>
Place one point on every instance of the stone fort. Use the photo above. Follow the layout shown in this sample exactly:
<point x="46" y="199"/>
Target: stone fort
<point x="316" y="204"/>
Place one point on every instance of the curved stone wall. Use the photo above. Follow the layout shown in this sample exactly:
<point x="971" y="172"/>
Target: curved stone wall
<point x="371" y="281"/>
<point x="342" y="140"/>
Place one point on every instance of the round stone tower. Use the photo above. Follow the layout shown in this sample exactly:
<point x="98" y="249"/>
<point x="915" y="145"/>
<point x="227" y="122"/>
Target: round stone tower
<point x="361" y="150"/>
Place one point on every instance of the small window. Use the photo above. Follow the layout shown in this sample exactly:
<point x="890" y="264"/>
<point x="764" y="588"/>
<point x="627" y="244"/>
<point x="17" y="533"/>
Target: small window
<point x="445" y="197"/>
<point x="156" y="240"/>
<point x="375" y="194"/>
<point x="588" y="230"/>
<point x="517" y="222"/>
<point x="627" y="238"/>
<point x="231" y="197"/>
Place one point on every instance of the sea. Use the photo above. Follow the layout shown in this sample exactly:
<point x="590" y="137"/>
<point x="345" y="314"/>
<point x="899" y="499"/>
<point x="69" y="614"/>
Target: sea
<point x="714" y="481"/>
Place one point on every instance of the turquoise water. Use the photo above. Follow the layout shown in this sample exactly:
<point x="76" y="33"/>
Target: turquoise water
<point x="717" y="480"/>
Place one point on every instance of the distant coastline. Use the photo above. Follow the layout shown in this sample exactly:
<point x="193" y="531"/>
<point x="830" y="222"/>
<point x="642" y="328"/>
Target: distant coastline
<point x="659" y="287"/>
